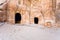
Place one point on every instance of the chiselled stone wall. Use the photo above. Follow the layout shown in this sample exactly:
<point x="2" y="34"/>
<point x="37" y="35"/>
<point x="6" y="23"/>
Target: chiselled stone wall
<point x="48" y="12"/>
<point x="36" y="11"/>
<point x="11" y="11"/>
<point x="42" y="9"/>
<point x="21" y="8"/>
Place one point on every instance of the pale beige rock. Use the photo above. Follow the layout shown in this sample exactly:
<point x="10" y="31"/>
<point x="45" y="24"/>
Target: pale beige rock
<point x="43" y="9"/>
<point x="30" y="9"/>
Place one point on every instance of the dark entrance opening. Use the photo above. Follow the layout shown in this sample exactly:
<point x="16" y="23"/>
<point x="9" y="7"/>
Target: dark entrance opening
<point x="36" y="20"/>
<point x="17" y="18"/>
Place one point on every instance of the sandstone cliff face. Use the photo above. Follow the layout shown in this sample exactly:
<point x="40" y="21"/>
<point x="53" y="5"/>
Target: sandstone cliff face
<point x="42" y="9"/>
<point x="57" y="14"/>
<point x="3" y="12"/>
<point x="29" y="9"/>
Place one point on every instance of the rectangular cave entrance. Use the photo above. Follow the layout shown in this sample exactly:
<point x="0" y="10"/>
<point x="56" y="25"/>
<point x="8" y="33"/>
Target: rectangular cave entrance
<point x="17" y="18"/>
<point x="36" y="20"/>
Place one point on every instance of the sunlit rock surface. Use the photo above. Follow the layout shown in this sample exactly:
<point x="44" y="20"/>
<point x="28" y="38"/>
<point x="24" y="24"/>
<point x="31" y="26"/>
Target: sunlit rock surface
<point x="47" y="11"/>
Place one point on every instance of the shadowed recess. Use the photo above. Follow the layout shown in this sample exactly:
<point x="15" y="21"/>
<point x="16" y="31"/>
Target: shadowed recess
<point x="36" y="20"/>
<point x="17" y="18"/>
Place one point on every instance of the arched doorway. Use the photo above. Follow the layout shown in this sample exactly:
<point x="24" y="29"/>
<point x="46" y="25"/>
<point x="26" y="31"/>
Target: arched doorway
<point x="36" y="20"/>
<point x="17" y="18"/>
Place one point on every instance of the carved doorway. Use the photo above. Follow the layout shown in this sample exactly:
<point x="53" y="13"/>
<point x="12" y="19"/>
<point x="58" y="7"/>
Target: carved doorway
<point x="36" y="20"/>
<point x="17" y="18"/>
